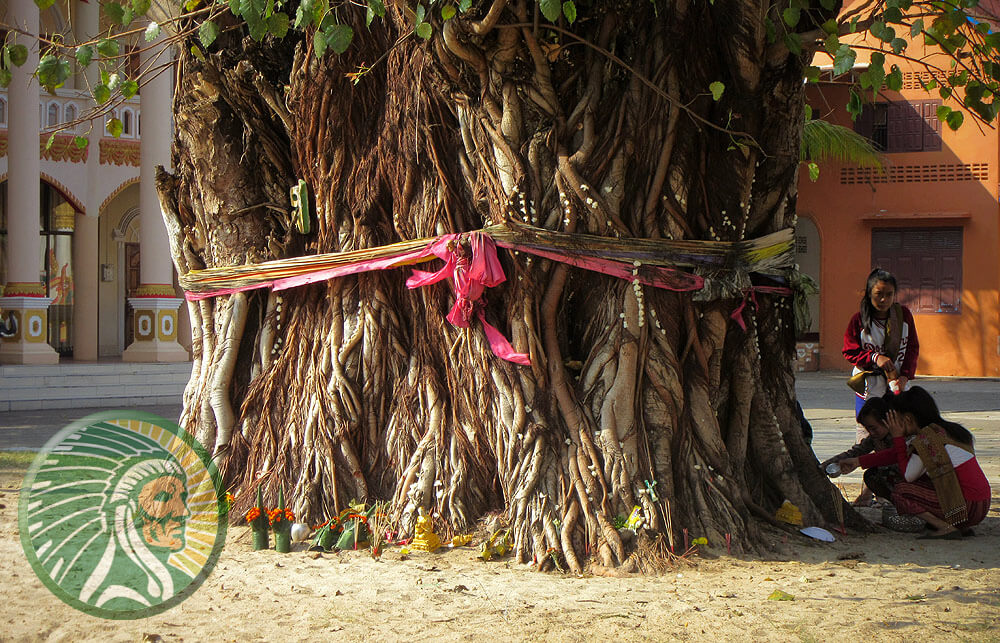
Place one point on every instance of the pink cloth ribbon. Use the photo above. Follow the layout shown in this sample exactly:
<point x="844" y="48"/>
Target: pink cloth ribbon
<point x="470" y="275"/>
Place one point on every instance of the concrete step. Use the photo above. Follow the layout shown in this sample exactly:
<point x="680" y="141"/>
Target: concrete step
<point x="97" y="384"/>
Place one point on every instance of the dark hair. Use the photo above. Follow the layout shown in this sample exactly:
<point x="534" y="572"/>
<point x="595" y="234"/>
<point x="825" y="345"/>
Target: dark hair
<point x="918" y="401"/>
<point x="875" y="407"/>
<point x="867" y="310"/>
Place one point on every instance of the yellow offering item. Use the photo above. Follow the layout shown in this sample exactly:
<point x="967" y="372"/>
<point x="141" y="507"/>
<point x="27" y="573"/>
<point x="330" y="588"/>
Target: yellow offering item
<point x="496" y="545"/>
<point x="789" y="513"/>
<point x="635" y="519"/>
<point x="461" y="540"/>
<point x="424" y="538"/>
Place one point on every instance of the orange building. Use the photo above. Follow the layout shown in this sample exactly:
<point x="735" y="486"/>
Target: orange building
<point x="932" y="219"/>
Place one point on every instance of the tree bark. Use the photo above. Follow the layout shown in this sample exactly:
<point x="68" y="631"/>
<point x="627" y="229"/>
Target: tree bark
<point x="357" y="388"/>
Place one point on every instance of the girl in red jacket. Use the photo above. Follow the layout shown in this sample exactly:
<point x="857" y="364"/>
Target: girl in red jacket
<point x="865" y="340"/>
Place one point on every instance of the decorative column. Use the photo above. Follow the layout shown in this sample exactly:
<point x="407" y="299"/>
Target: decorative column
<point x="86" y="234"/>
<point x="24" y="294"/>
<point x="155" y="302"/>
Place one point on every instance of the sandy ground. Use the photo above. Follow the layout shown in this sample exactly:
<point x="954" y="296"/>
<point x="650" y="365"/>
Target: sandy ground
<point x="888" y="586"/>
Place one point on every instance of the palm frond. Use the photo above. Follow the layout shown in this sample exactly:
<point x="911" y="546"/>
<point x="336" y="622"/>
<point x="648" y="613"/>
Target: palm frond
<point x="824" y="141"/>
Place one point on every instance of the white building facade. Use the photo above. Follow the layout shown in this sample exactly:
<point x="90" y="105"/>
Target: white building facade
<point x="85" y="268"/>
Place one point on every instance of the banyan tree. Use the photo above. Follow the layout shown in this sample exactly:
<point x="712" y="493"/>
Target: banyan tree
<point x="604" y="193"/>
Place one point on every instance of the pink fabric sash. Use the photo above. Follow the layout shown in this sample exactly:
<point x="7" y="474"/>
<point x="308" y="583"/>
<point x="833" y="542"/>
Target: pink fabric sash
<point x="470" y="275"/>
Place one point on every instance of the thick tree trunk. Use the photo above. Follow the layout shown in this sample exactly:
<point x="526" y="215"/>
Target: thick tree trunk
<point x="359" y="389"/>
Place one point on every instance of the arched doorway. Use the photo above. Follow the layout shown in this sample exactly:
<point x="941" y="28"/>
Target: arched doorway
<point x="807" y="256"/>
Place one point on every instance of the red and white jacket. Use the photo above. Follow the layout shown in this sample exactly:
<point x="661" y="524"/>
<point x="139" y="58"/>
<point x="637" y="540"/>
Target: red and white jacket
<point x="862" y="345"/>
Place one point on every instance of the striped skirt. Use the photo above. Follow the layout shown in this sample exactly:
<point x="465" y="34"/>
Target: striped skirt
<point x="919" y="496"/>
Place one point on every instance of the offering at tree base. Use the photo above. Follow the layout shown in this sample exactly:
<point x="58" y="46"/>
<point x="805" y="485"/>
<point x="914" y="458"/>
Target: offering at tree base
<point x="789" y="513"/>
<point x="424" y="538"/>
<point x="256" y="517"/>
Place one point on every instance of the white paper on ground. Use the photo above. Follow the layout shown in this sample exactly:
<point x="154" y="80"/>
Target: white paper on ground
<point x="818" y="533"/>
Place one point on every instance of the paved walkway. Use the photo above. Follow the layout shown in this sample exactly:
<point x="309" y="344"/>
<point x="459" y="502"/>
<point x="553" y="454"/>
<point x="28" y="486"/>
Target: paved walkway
<point x="825" y="398"/>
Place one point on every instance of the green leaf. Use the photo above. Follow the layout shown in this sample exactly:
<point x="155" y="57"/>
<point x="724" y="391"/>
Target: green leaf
<point x="464" y="5"/>
<point x="304" y="14"/>
<point x="916" y="27"/>
<point x="81" y="142"/>
<point x="898" y="45"/>
<point x="44" y="4"/>
<point x="551" y="9"/>
<point x="419" y="14"/>
<point x="942" y="112"/>
<point x="377" y="7"/>
<point x="234" y="7"/>
<point x="84" y="54"/>
<point x="893" y="14"/>
<point x="830" y="26"/>
<point x="424" y="30"/>
<point x="791" y="16"/>
<point x="832" y="44"/>
<point x="197" y="52"/>
<point x="114" y="82"/>
<point x="844" y="60"/>
<point x="894" y="81"/>
<point x="207" y="33"/>
<point x="48" y="143"/>
<point x="152" y="32"/>
<point x="569" y="10"/>
<point x="127" y="16"/>
<point x="52" y="72"/>
<point x="448" y="12"/>
<point x="114" y="10"/>
<point x="813" y="172"/>
<point x="812" y="74"/>
<point x="114" y="127"/>
<point x="865" y="79"/>
<point x="877" y="29"/>
<point x="955" y="119"/>
<point x="772" y="35"/>
<point x="794" y="43"/>
<point x="716" y="88"/>
<point x="191" y="5"/>
<point x="854" y="105"/>
<point x="319" y="43"/>
<point x="256" y="25"/>
<point x="140" y="7"/>
<point x="5" y="77"/>
<point x="339" y="37"/>
<point x="107" y="47"/>
<point x="808" y="111"/>
<point x="102" y="94"/>
<point x="945" y="92"/>
<point x="277" y="24"/>
<point x="828" y="4"/>
<point x="129" y="89"/>
<point x="18" y="54"/>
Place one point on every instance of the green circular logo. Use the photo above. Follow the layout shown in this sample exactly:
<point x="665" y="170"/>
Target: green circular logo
<point x="122" y="514"/>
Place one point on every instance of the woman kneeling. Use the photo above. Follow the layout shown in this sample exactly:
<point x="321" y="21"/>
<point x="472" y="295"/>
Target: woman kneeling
<point x="942" y="481"/>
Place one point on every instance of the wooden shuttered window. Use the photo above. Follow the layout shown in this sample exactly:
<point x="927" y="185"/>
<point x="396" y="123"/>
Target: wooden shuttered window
<point x="901" y="126"/>
<point x="927" y="263"/>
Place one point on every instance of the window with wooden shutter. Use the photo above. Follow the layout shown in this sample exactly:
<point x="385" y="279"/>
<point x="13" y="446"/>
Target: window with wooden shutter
<point x="927" y="263"/>
<point x="901" y="126"/>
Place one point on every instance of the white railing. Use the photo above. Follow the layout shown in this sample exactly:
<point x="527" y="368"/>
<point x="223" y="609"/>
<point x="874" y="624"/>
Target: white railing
<point x="70" y="104"/>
